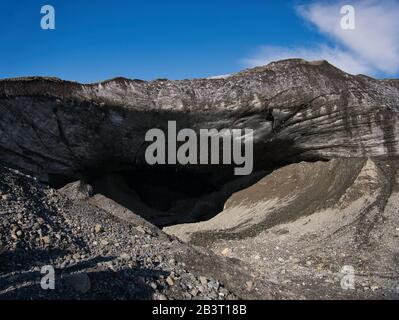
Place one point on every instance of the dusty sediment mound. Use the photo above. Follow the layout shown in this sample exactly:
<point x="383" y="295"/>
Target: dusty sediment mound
<point x="304" y="222"/>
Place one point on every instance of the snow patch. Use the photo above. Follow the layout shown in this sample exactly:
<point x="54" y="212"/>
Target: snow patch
<point x="222" y="76"/>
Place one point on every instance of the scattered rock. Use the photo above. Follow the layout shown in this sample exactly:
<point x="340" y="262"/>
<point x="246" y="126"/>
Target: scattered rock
<point x="77" y="190"/>
<point x="76" y="256"/>
<point x="5" y="197"/>
<point x="98" y="228"/>
<point x="226" y="252"/>
<point x="46" y="239"/>
<point x="203" y="280"/>
<point x="140" y="229"/>
<point x="213" y="284"/>
<point x="170" y="281"/>
<point x="153" y="285"/>
<point x="125" y="256"/>
<point x="158" y="296"/>
<point x="249" y="285"/>
<point x="194" y="292"/>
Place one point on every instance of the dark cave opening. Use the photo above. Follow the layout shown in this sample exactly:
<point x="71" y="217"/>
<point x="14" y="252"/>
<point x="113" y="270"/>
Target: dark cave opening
<point x="166" y="195"/>
<point x="161" y="189"/>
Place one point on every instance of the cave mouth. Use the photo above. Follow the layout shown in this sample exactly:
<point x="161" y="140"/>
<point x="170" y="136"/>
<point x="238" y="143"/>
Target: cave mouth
<point x="168" y="196"/>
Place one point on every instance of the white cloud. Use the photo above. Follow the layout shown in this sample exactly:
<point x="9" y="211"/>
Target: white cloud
<point x="371" y="48"/>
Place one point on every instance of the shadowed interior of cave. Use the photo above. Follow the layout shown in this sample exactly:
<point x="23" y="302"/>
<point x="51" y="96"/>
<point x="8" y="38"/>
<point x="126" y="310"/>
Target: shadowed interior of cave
<point x="174" y="194"/>
<point x="167" y="196"/>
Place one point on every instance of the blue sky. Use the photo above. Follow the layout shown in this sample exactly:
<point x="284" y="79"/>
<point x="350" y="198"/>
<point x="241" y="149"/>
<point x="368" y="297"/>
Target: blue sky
<point x="97" y="39"/>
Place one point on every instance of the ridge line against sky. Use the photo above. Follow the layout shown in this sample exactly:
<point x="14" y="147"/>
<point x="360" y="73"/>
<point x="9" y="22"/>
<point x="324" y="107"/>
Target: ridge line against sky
<point x="95" y="40"/>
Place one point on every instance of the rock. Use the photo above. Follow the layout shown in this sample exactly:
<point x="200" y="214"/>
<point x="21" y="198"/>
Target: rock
<point x="5" y="197"/>
<point x="125" y="256"/>
<point x="187" y="295"/>
<point x="140" y="229"/>
<point x="80" y="282"/>
<point x="98" y="228"/>
<point x="46" y="239"/>
<point x="170" y="281"/>
<point x="153" y="285"/>
<point x="226" y="252"/>
<point x="158" y="296"/>
<point x="249" y="285"/>
<point x="77" y="190"/>
<point x="110" y="265"/>
<point x="201" y="288"/>
<point x="213" y="284"/>
<point x="194" y="292"/>
<point x="203" y="280"/>
<point x="213" y="295"/>
<point x="295" y="260"/>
